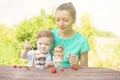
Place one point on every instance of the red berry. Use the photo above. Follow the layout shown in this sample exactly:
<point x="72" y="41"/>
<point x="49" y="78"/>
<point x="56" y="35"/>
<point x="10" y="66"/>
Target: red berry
<point x="74" y="67"/>
<point x="60" y="47"/>
<point x="28" y="68"/>
<point x="62" y="69"/>
<point x="14" y="66"/>
<point x="20" y="66"/>
<point x="53" y="70"/>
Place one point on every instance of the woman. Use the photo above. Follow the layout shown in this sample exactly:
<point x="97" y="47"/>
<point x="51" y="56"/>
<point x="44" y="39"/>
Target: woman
<point x="75" y="45"/>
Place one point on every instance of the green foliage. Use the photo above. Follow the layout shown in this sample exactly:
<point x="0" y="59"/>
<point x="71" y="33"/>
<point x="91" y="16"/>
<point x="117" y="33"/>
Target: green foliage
<point x="106" y="56"/>
<point x="7" y="34"/>
<point x="105" y="34"/>
<point x="8" y="53"/>
<point x="12" y="40"/>
<point x="88" y="30"/>
<point x="28" y="29"/>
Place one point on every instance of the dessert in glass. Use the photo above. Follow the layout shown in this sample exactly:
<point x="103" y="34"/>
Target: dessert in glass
<point x="59" y="55"/>
<point x="39" y="61"/>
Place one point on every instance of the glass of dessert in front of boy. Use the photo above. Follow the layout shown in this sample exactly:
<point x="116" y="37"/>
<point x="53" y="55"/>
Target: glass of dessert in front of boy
<point x="59" y="55"/>
<point x="40" y="60"/>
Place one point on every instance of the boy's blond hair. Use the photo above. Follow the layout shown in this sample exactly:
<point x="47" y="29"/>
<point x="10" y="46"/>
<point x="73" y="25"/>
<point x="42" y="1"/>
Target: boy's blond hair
<point x="48" y="34"/>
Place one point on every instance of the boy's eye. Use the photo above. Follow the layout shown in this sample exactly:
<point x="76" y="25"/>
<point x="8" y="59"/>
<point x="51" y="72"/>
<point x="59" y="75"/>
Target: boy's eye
<point x="47" y="44"/>
<point x="66" y="20"/>
<point x="57" y="20"/>
<point x="40" y="43"/>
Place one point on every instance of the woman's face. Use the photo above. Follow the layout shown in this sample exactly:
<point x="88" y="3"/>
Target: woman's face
<point x="64" y="20"/>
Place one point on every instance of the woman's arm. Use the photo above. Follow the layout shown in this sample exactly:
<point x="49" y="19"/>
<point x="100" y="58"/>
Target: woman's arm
<point x="84" y="59"/>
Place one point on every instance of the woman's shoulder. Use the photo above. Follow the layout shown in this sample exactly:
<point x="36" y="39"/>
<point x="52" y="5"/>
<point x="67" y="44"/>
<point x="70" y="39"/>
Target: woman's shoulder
<point x="55" y="31"/>
<point x="80" y="36"/>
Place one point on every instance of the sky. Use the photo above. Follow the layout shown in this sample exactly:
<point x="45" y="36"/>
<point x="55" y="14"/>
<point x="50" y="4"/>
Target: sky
<point x="105" y="14"/>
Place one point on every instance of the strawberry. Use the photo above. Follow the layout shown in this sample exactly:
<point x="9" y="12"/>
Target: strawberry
<point x="14" y="66"/>
<point x="19" y="66"/>
<point x="60" y="47"/>
<point x="59" y="55"/>
<point x="75" y="67"/>
<point x="53" y="70"/>
<point x="61" y="69"/>
<point x="28" y="68"/>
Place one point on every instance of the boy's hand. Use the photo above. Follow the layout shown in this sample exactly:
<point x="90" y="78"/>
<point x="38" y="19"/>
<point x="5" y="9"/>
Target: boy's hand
<point x="27" y="45"/>
<point x="50" y="64"/>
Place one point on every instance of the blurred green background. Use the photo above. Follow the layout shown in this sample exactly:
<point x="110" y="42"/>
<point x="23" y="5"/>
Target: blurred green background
<point x="104" y="46"/>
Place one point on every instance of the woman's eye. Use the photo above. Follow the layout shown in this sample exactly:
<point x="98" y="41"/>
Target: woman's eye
<point x="66" y="20"/>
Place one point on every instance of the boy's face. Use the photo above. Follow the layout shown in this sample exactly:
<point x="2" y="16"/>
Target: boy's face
<point x="43" y="44"/>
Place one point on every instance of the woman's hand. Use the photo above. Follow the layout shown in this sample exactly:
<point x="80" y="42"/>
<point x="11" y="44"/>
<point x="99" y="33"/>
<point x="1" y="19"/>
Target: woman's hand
<point x="73" y="59"/>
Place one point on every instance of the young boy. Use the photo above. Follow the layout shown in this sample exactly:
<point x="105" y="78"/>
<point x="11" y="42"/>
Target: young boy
<point x="45" y="40"/>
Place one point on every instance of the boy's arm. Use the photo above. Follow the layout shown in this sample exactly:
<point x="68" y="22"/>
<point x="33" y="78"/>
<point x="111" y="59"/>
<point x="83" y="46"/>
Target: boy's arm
<point x="49" y="61"/>
<point x="25" y="50"/>
<point x="23" y="53"/>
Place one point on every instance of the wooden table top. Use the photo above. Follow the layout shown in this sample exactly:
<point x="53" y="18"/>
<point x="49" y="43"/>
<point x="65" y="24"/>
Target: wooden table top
<point x="88" y="73"/>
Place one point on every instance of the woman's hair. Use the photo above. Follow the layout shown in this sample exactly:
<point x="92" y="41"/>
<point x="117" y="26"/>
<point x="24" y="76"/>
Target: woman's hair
<point x="48" y="34"/>
<point x="68" y="7"/>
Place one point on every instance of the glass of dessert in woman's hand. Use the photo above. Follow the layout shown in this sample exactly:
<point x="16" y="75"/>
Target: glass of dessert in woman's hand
<point x="73" y="60"/>
<point x="59" y="55"/>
